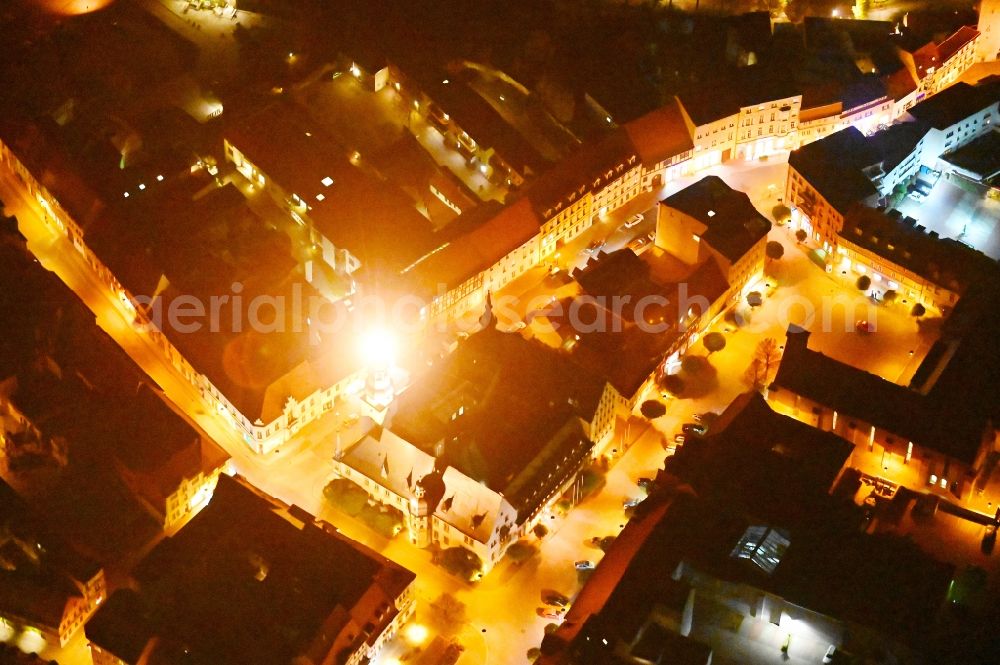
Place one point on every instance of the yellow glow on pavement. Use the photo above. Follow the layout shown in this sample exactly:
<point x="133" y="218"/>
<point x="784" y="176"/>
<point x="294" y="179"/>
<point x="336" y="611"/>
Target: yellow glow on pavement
<point x="416" y="634"/>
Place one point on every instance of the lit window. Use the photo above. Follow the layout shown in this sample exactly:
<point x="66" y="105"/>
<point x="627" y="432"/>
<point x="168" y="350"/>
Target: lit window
<point x="933" y="478"/>
<point x="320" y="197"/>
<point x="944" y="483"/>
<point x="327" y="181"/>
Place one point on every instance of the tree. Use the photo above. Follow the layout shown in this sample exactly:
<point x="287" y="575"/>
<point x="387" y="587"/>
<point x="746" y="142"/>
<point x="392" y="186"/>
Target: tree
<point x="801" y="235"/>
<point x="693" y="364"/>
<point x="781" y="213"/>
<point x="918" y="310"/>
<point x="461" y="562"/>
<point x="864" y="283"/>
<point x="889" y="296"/>
<point x="764" y="364"/>
<point x="652" y="409"/>
<point x="774" y="250"/>
<point x="346" y="496"/>
<point x="521" y="551"/>
<point x="672" y="383"/>
<point x="714" y="341"/>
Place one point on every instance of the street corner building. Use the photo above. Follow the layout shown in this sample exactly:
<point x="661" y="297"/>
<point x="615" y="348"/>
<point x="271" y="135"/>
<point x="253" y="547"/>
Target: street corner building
<point x="251" y="580"/>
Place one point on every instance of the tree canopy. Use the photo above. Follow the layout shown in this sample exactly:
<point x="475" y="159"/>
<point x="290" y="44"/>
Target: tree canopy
<point x="774" y="250"/>
<point x="714" y="341"/>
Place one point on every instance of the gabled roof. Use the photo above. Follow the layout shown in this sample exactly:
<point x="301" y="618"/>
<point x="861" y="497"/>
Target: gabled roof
<point x="585" y="169"/>
<point x="496" y="409"/>
<point x="477" y="246"/>
<point x="661" y="134"/>
<point x="956" y="41"/>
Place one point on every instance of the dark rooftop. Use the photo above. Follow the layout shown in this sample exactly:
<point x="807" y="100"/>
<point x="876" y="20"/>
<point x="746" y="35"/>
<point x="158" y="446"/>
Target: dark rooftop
<point x="734" y="225"/>
<point x="778" y="468"/>
<point x="896" y="142"/>
<point x="39" y="570"/>
<point x="943" y="261"/>
<point x="981" y="157"/>
<point x="833" y="166"/>
<point x="371" y="218"/>
<point x="928" y="422"/>
<point x="726" y="95"/>
<point x="955" y="103"/>
<point x="582" y="170"/>
<point x="512" y="396"/>
<point x="242" y="583"/>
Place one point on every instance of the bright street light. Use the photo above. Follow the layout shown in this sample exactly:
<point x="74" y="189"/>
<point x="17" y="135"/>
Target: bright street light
<point x="416" y="634"/>
<point x="378" y="348"/>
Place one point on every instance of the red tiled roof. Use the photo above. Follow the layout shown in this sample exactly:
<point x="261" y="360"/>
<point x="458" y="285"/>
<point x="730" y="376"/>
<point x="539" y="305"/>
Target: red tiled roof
<point x="660" y="134"/>
<point x="956" y="41"/>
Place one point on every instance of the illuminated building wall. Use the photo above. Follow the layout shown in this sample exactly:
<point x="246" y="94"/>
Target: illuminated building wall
<point x="988" y="47"/>
<point x="882" y="454"/>
<point x="886" y="275"/>
<point x="767" y="129"/>
<point x="811" y="212"/>
<point x="714" y="143"/>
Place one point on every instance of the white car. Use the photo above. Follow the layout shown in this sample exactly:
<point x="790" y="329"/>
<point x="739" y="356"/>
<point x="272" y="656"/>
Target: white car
<point x="584" y="565"/>
<point x="634" y="220"/>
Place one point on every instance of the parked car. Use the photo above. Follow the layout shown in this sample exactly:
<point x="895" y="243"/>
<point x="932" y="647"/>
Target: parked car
<point x="639" y="244"/>
<point x="632" y="221"/>
<point x="831" y="654"/>
<point x="693" y="429"/>
<point x="645" y="483"/>
<point x="631" y="503"/>
<point x="548" y="613"/>
<point x="555" y="598"/>
<point x="584" y="565"/>
<point x="594" y="247"/>
<point x="864" y="327"/>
